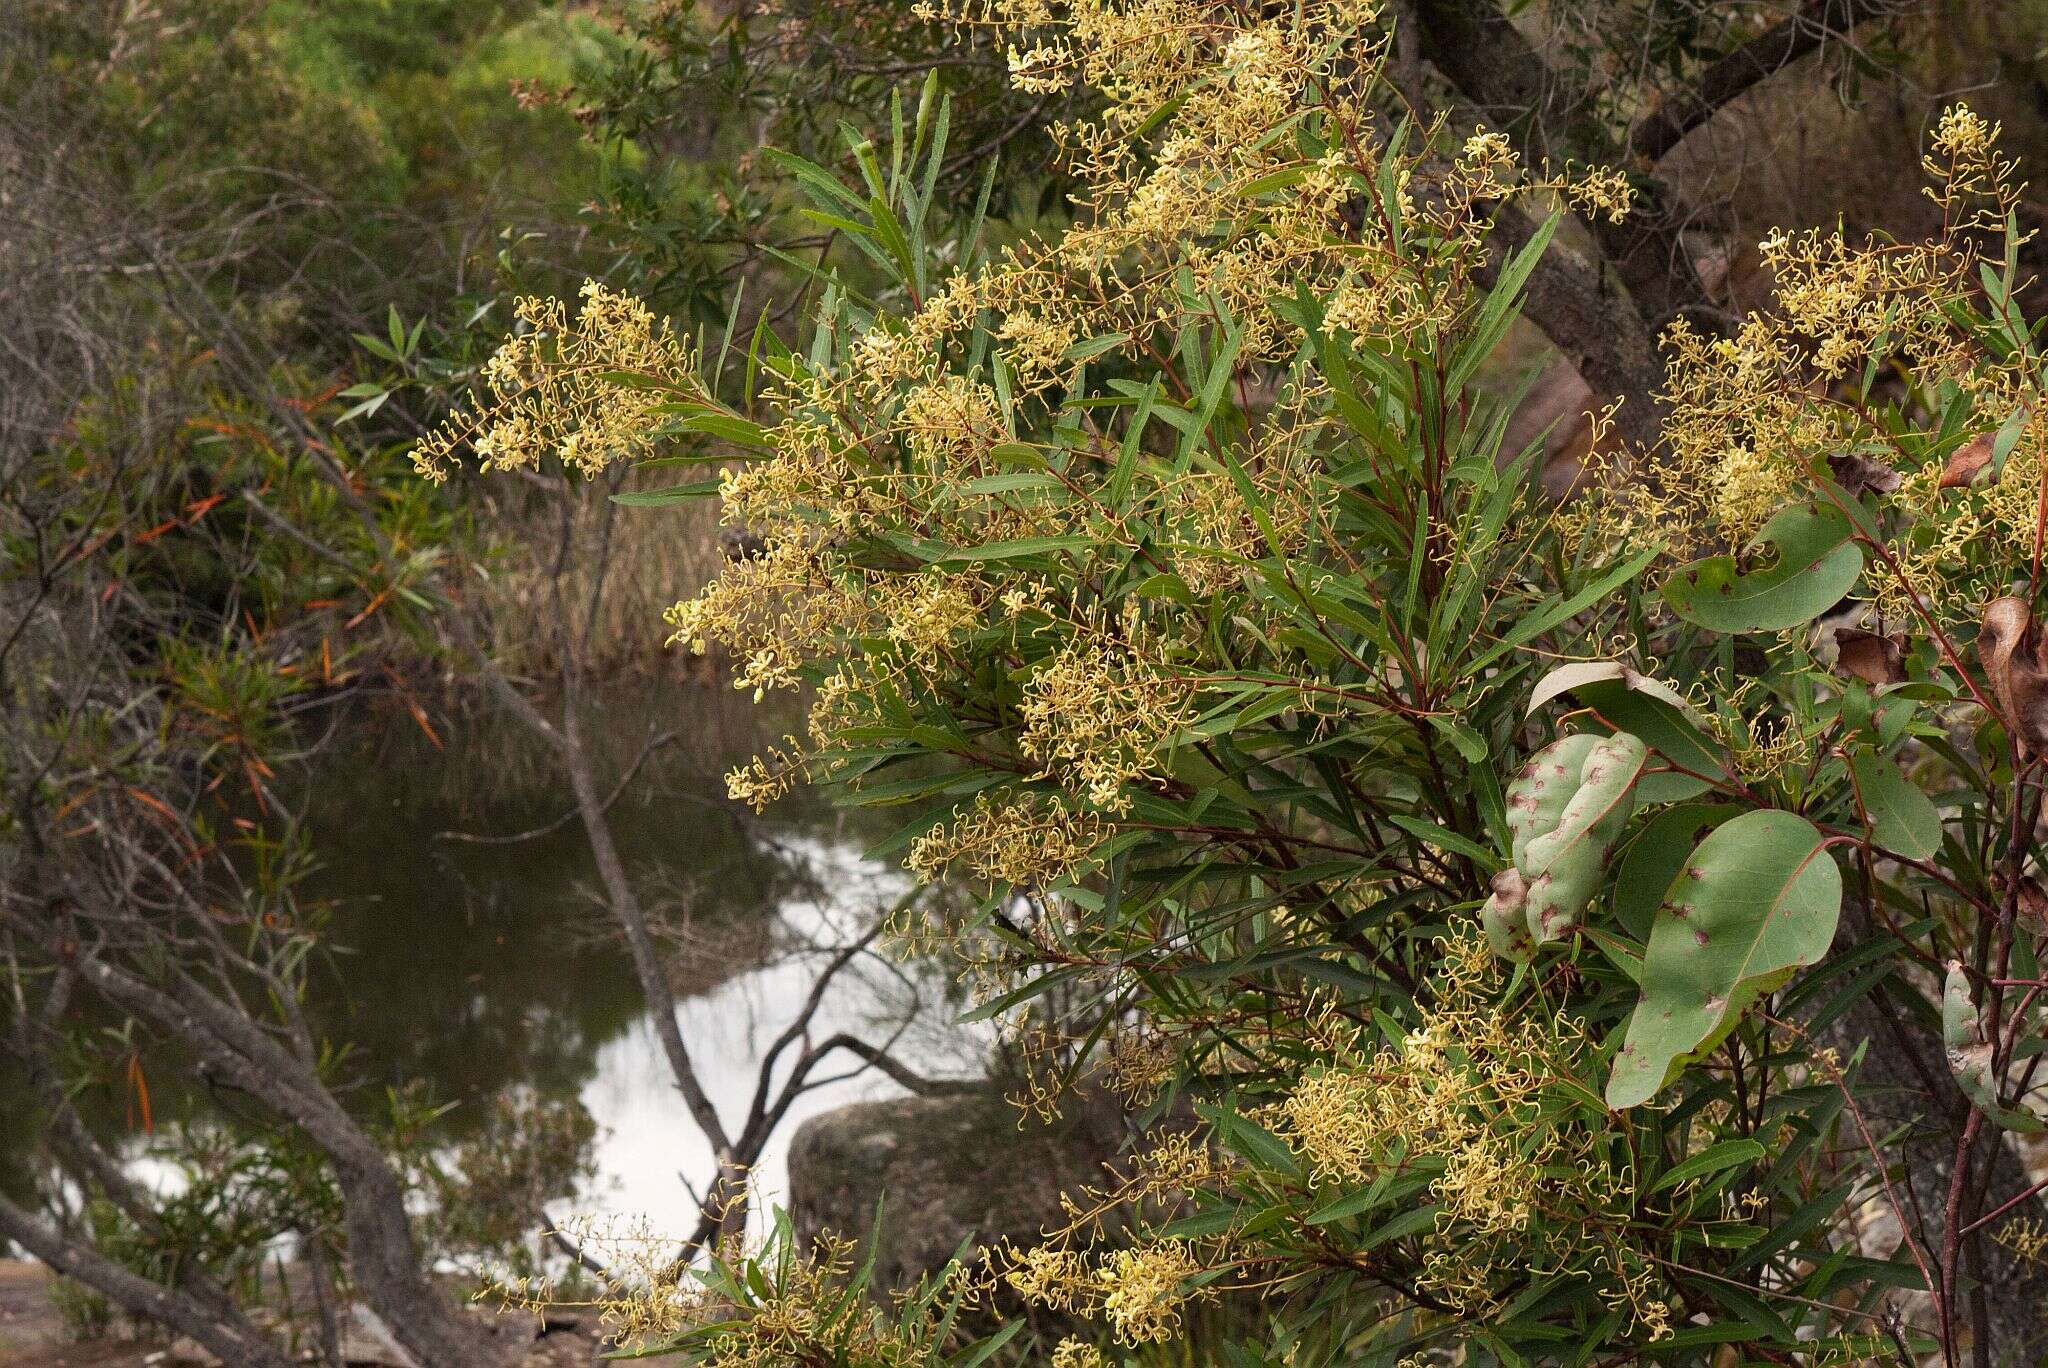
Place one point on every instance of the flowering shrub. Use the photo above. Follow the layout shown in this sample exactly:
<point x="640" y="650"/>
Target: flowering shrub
<point x="1492" y="885"/>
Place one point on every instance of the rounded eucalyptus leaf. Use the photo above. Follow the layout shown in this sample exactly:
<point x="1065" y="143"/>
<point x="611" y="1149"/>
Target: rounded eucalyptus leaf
<point x="1815" y="565"/>
<point x="1654" y="857"/>
<point x="1668" y="725"/>
<point x="1757" y="899"/>
<point x="1958" y="1011"/>
<point x="1972" y="1058"/>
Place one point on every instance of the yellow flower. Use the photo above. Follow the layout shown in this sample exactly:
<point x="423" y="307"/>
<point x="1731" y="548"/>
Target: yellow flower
<point x="552" y="389"/>
<point x="1073" y="1353"/>
<point x="1142" y="1289"/>
<point x="1028" y="840"/>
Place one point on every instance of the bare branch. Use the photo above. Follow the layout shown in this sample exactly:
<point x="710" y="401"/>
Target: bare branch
<point x="575" y="1252"/>
<point x="383" y="1253"/>
<point x="1586" y="315"/>
<point x="1763" y="56"/>
<point x="226" y="1334"/>
<point x="897" y="1072"/>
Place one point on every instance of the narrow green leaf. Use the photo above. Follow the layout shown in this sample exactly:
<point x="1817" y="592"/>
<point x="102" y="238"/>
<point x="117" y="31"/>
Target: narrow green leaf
<point x="1014" y="550"/>
<point x="1725" y="1155"/>
<point x="664" y="498"/>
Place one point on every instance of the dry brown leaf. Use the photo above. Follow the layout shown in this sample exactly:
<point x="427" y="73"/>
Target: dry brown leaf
<point x="2033" y="902"/>
<point x="1874" y="659"/>
<point x="1966" y="465"/>
<point x="2013" y="656"/>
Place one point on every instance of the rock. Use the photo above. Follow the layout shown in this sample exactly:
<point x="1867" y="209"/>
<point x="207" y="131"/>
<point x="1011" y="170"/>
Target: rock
<point x="568" y="1349"/>
<point x="944" y="1167"/>
<point x="367" y="1342"/>
<point x="522" y="1327"/>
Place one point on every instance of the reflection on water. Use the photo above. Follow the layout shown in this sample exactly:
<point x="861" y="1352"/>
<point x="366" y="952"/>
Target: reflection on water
<point x="475" y="968"/>
<point x="647" y="1134"/>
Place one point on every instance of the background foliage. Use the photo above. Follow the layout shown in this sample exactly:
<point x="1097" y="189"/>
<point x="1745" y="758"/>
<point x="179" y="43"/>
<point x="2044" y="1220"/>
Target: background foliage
<point x="1523" y="930"/>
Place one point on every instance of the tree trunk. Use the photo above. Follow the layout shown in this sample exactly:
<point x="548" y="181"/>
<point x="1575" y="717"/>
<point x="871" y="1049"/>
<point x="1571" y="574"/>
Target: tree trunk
<point x="382" y="1253"/>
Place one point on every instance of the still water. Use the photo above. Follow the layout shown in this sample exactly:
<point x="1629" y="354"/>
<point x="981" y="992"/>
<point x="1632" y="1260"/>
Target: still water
<point x="474" y="968"/>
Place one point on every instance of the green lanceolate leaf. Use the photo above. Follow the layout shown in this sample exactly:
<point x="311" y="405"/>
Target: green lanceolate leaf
<point x="1726" y="1155"/>
<point x="1903" y="819"/>
<point x="1814" y="565"/>
<point x="1758" y="899"/>
<point x="666" y="498"/>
